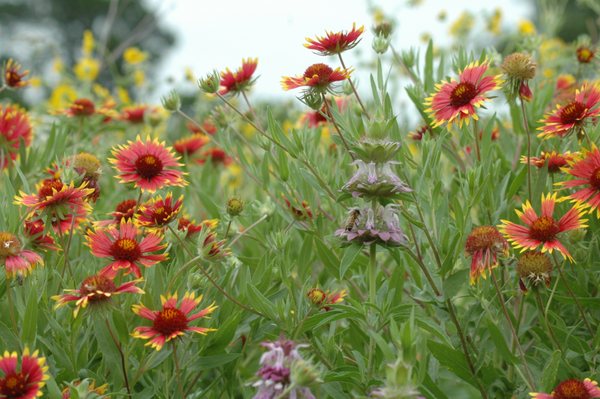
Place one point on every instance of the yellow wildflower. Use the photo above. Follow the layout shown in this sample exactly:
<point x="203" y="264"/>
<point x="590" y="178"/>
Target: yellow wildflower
<point x="123" y="95"/>
<point x="463" y="25"/>
<point x="62" y="96"/>
<point x="494" y="23"/>
<point x="139" y="77"/>
<point x="88" y="43"/>
<point x="526" y="27"/>
<point x="87" y="69"/>
<point x="134" y="56"/>
<point x="58" y="65"/>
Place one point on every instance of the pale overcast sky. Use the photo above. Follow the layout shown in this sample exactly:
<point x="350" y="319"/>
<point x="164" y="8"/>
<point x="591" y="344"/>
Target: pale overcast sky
<point x="218" y="34"/>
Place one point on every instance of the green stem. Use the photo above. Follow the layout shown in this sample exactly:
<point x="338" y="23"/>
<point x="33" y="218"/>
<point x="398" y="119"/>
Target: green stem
<point x="329" y="116"/>
<point x="526" y="127"/>
<point x="11" y="305"/>
<point x="529" y="379"/>
<point x="540" y="306"/>
<point x="121" y="354"/>
<point x="476" y="134"/>
<point x="253" y="225"/>
<point x="354" y="88"/>
<point x="177" y="371"/>
<point x="373" y="273"/>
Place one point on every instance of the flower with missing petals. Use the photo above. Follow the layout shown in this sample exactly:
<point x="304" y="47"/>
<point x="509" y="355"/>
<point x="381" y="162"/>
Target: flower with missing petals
<point x="483" y="245"/>
<point x="13" y="76"/>
<point x="241" y="79"/>
<point x="172" y="320"/>
<point x="317" y="77"/>
<point x="16" y="260"/>
<point x="553" y="160"/>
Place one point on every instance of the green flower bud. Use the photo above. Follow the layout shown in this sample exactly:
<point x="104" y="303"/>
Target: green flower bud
<point x="171" y="102"/>
<point x="235" y="206"/>
<point x="210" y="83"/>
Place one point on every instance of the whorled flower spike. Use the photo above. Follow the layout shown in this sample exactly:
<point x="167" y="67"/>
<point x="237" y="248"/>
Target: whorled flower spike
<point x="366" y="226"/>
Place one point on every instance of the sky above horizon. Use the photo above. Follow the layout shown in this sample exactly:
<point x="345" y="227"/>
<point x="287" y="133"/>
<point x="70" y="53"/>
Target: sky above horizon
<point x="219" y="34"/>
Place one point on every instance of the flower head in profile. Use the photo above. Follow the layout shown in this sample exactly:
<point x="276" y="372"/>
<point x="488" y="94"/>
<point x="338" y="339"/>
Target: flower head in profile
<point x="553" y="161"/>
<point x="216" y="156"/>
<point x="335" y="42"/>
<point x="15" y="131"/>
<point x="571" y="389"/>
<point x="456" y="101"/>
<point x="518" y="68"/>
<point x="586" y="174"/>
<point x="323" y="299"/>
<point x="189" y="145"/>
<point x="159" y="212"/>
<point x="241" y="79"/>
<point x="17" y="261"/>
<point x="127" y="251"/>
<point x="81" y="107"/>
<point x="36" y="233"/>
<point x="543" y="230"/>
<point x="317" y="77"/>
<point x="573" y="116"/>
<point x="24" y="380"/>
<point x="172" y="320"/>
<point x="483" y="245"/>
<point x="134" y="113"/>
<point x="95" y="290"/>
<point x="65" y="206"/>
<point x="148" y="164"/>
<point x="14" y="76"/>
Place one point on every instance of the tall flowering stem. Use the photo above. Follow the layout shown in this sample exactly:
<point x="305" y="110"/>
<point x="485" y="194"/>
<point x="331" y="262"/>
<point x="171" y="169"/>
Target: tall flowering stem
<point x="177" y="370"/>
<point x="362" y="106"/>
<point x="121" y="355"/>
<point x="528" y="134"/>
<point x="529" y="377"/>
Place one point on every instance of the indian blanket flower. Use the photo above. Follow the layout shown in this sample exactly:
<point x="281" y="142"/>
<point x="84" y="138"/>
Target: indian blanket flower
<point x="15" y="130"/>
<point x="24" y="380"/>
<point x="554" y="161"/>
<point x="586" y="173"/>
<point x="134" y="113"/>
<point x="335" y="42"/>
<point x="367" y="226"/>
<point x="483" y="245"/>
<point x="14" y="77"/>
<point x="241" y="79"/>
<point x="375" y="180"/>
<point x="276" y="367"/>
<point x="35" y="231"/>
<point x="159" y="212"/>
<point x="534" y="267"/>
<point x="172" y="320"/>
<point x="122" y="244"/>
<point x="585" y="54"/>
<point x="17" y="261"/>
<point x="95" y="290"/>
<point x="191" y="144"/>
<point x="543" y="230"/>
<point x="571" y="389"/>
<point x="64" y="206"/>
<point x="518" y="69"/>
<point x="300" y="214"/>
<point x="124" y="211"/>
<point x="215" y="156"/>
<point x="457" y="101"/>
<point x="148" y="164"/>
<point x="318" y="77"/>
<point x="573" y="116"/>
<point x="323" y="299"/>
<point x="81" y="107"/>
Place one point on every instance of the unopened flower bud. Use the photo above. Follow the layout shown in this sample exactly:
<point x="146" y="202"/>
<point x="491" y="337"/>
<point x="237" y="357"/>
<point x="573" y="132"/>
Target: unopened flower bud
<point x="381" y="44"/>
<point x="210" y="83"/>
<point x="86" y="164"/>
<point x="313" y="99"/>
<point x="235" y="206"/>
<point x="409" y="58"/>
<point x="316" y="296"/>
<point x="171" y="102"/>
<point x="383" y="29"/>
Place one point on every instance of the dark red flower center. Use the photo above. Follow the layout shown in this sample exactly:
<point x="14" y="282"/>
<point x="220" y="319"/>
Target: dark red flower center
<point x="544" y="229"/>
<point x="162" y="215"/>
<point x="47" y="186"/>
<point x="572" y="113"/>
<point x="148" y="166"/>
<point x="14" y="385"/>
<point x="595" y="179"/>
<point x="125" y="249"/>
<point x="484" y="238"/>
<point x="170" y="320"/>
<point x="13" y="78"/>
<point x="322" y="71"/>
<point x="124" y="209"/>
<point x="571" y="389"/>
<point x="462" y="94"/>
<point x="585" y="55"/>
<point x="555" y="162"/>
<point x="97" y="285"/>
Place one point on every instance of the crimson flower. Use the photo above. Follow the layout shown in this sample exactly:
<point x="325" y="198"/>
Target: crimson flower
<point x="159" y="212"/>
<point x="15" y="129"/>
<point x="26" y="381"/>
<point x="335" y="42"/>
<point x="317" y="76"/>
<point x="241" y="79"/>
<point x="571" y="389"/>
<point x="16" y="260"/>
<point x="553" y="160"/>
<point x="586" y="172"/>
<point x="13" y="77"/>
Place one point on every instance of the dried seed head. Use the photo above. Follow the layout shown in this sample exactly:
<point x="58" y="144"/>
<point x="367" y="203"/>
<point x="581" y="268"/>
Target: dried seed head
<point x="519" y="66"/>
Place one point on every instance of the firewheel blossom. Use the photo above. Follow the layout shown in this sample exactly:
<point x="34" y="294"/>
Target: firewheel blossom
<point x="241" y="79"/>
<point x="543" y="230"/>
<point x="586" y="173"/>
<point x="483" y="245"/>
<point x="276" y="371"/>
<point x="24" y="381"/>
<point x="15" y="131"/>
<point x="318" y="77"/>
<point x="122" y="245"/>
<point x="172" y="320"/>
<point x="95" y="290"/>
<point x="335" y="42"/>
<point x="148" y="164"/>
<point x="457" y="101"/>
<point x="553" y="160"/>
<point x="14" y="76"/>
<point x="573" y="116"/>
<point x="572" y="388"/>
<point x="158" y="212"/>
<point x="16" y="260"/>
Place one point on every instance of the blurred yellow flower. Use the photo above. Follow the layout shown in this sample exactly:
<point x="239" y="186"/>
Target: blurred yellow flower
<point x="425" y="37"/>
<point x="526" y="27"/>
<point x="123" y="95"/>
<point x="494" y="23"/>
<point x="134" y="56"/>
<point x="550" y="49"/>
<point x="233" y="177"/>
<point x="88" y="44"/>
<point x="35" y="81"/>
<point x="549" y="72"/>
<point x="139" y="77"/>
<point x="101" y="91"/>
<point x="87" y="69"/>
<point x="463" y="24"/>
<point x="248" y="130"/>
<point x="378" y="16"/>
<point x="62" y="96"/>
<point x="189" y="75"/>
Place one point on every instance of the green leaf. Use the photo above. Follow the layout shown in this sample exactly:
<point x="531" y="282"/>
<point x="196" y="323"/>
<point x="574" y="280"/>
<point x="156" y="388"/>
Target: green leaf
<point x="350" y="253"/>
<point x="260" y="302"/>
<point x="452" y="359"/>
<point x="429" y="68"/>
<point x="550" y="372"/>
<point x="29" y="331"/>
